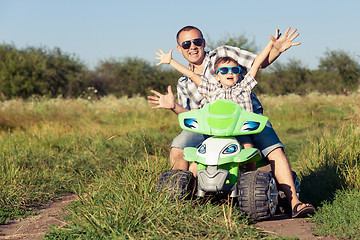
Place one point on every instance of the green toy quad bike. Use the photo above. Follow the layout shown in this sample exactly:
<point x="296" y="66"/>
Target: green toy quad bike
<point x="220" y="159"/>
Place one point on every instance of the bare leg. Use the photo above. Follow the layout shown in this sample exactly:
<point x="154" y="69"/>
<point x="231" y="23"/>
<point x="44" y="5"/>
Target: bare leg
<point x="178" y="162"/>
<point x="193" y="168"/>
<point x="176" y="159"/>
<point x="281" y="168"/>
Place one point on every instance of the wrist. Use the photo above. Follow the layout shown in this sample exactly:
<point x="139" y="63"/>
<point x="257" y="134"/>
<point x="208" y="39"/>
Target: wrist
<point x="173" y="108"/>
<point x="275" y="50"/>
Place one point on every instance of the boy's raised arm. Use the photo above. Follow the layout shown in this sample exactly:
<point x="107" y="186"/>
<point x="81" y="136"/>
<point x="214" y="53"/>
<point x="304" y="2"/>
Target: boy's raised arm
<point x="281" y="44"/>
<point x="263" y="55"/>
<point x="166" y="58"/>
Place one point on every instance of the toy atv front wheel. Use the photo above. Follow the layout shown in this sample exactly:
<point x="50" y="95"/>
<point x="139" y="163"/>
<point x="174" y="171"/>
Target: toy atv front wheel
<point x="177" y="184"/>
<point x="257" y="194"/>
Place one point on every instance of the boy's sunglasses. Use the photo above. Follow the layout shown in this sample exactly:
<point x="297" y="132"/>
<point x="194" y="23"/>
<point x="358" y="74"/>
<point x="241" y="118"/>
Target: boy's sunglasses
<point x="225" y="70"/>
<point x="198" y="42"/>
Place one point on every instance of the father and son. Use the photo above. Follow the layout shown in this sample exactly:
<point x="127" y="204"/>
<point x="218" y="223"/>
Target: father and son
<point x="226" y="73"/>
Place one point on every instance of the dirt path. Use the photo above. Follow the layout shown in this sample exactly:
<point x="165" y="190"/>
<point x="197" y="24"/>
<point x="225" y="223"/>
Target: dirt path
<point x="35" y="227"/>
<point x="284" y="226"/>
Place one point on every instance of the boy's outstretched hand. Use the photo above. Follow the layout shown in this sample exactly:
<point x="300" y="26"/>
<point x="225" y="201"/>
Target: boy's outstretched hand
<point x="165" y="58"/>
<point x="284" y="42"/>
<point x="162" y="101"/>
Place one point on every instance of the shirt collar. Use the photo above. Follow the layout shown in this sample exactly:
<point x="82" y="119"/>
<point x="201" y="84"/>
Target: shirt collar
<point x="236" y="85"/>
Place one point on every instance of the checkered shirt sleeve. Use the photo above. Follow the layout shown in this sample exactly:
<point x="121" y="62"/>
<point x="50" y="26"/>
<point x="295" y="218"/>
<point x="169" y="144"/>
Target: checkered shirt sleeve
<point x="188" y="95"/>
<point x="243" y="93"/>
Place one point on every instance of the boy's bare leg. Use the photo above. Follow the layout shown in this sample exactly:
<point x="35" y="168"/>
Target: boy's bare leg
<point x="193" y="168"/>
<point x="249" y="166"/>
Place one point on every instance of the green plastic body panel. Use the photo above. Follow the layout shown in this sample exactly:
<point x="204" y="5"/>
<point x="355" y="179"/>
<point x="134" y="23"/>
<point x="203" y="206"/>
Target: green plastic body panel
<point x="232" y="168"/>
<point x="222" y="118"/>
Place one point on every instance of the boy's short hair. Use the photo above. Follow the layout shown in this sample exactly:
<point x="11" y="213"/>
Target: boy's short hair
<point x="224" y="60"/>
<point x="187" y="28"/>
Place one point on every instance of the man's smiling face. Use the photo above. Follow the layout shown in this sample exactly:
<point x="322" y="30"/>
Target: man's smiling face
<point x="194" y="54"/>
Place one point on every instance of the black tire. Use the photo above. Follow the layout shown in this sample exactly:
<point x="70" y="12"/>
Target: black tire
<point x="177" y="183"/>
<point x="257" y="194"/>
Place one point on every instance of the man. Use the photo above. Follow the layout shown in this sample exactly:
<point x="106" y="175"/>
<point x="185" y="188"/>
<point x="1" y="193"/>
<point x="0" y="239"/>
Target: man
<point x="191" y="45"/>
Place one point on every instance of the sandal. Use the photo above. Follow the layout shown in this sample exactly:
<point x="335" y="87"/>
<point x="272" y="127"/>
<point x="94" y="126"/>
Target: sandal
<point x="304" y="212"/>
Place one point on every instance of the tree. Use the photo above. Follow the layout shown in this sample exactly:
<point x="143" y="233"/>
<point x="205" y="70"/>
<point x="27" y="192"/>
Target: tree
<point x="343" y="66"/>
<point x="131" y="76"/>
<point x="38" y="71"/>
<point x="287" y="78"/>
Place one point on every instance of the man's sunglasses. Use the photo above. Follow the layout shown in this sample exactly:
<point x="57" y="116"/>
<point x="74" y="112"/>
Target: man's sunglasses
<point x="198" y="42"/>
<point x="225" y="70"/>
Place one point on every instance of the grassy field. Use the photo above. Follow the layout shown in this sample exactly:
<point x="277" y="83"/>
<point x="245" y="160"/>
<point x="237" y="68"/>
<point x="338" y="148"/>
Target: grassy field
<point x="111" y="153"/>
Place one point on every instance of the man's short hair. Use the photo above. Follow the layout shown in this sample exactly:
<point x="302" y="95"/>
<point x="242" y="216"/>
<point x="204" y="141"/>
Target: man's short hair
<point x="187" y="28"/>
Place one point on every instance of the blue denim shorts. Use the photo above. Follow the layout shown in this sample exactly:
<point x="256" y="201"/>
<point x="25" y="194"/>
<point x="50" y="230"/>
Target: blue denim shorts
<point x="187" y="139"/>
<point x="266" y="141"/>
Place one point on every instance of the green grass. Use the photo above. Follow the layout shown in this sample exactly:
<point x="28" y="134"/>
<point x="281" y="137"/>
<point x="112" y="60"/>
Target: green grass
<point x="340" y="218"/>
<point x="111" y="153"/>
<point x="46" y="147"/>
<point x="298" y="120"/>
<point x="324" y="138"/>
<point x="330" y="180"/>
<point x="125" y="204"/>
<point x="331" y="162"/>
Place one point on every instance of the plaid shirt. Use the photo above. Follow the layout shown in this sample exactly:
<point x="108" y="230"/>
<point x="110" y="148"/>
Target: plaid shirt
<point x="239" y="92"/>
<point x="187" y="91"/>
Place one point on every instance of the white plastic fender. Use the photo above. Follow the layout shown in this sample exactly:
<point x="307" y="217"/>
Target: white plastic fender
<point x="213" y="149"/>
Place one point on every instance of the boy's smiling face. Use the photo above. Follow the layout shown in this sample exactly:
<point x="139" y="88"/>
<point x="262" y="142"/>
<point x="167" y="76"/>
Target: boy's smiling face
<point x="230" y="78"/>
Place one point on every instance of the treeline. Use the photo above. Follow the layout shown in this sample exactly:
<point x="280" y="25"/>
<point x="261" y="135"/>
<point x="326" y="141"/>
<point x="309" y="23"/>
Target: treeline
<point x="337" y="73"/>
<point x="50" y="72"/>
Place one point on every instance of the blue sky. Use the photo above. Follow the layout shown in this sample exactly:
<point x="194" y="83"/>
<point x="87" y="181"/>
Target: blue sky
<point x="100" y="30"/>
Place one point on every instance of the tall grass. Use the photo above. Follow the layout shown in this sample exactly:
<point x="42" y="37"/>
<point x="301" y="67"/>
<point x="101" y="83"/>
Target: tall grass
<point x="331" y="162"/>
<point x="111" y="152"/>
<point x="47" y="146"/>
<point x="331" y="170"/>
<point x="298" y="120"/>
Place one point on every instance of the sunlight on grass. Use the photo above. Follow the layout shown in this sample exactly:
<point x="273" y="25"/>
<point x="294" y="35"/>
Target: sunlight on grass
<point x="111" y="153"/>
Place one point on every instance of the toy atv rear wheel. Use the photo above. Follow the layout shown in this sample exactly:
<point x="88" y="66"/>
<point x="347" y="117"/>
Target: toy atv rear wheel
<point x="284" y="206"/>
<point x="257" y="194"/>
